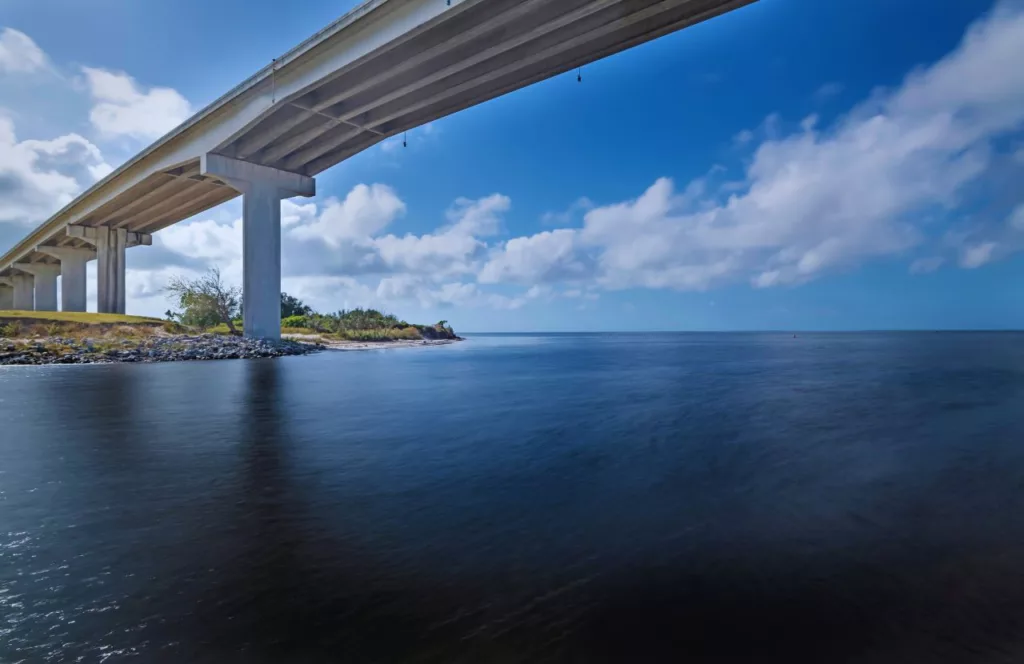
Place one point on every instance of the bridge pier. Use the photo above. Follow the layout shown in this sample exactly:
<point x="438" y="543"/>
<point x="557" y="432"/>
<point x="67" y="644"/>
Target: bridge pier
<point x="262" y="190"/>
<point x="24" y="299"/>
<point x="110" y="246"/>
<point x="72" y="270"/>
<point x="6" y="294"/>
<point x="44" y="284"/>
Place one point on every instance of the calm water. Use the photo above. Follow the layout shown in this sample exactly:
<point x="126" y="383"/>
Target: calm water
<point x="576" y="498"/>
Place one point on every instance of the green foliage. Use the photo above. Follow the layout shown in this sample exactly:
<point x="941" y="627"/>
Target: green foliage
<point x="381" y="334"/>
<point x="10" y="330"/>
<point x="293" y="307"/>
<point x="205" y="302"/>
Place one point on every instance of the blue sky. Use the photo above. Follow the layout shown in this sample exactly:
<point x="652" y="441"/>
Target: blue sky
<point x="796" y="164"/>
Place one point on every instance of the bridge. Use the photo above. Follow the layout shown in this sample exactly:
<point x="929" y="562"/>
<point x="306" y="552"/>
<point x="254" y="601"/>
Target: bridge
<point x="384" y="68"/>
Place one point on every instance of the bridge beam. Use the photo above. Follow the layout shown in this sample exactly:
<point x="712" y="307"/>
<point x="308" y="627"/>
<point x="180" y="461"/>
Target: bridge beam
<point x="44" y="284"/>
<point x="262" y="190"/>
<point x="72" y="271"/>
<point x="110" y="246"/>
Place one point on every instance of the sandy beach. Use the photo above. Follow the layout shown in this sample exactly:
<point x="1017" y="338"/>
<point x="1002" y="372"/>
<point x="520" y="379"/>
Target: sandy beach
<point x="332" y="344"/>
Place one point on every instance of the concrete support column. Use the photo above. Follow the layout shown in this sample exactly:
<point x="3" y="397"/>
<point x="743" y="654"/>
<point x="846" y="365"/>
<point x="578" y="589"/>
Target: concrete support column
<point x="110" y="274"/>
<point x="110" y="246"/>
<point x="72" y="274"/>
<point x="262" y="190"/>
<point x="6" y="294"/>
<point x="24" y="296"/>
<point x="45" y="284"/>
<point x="261" y="261"/>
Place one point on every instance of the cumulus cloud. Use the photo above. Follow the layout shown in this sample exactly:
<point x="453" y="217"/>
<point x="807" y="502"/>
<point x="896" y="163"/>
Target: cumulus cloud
<point x="478" y="217"/>
<point x="38" y="177"/>
<point x="340" y="252"/>
<point x="544" y="257"/>
<point x="816" y="200"/>
<point x="19" y="54"/>
<point x="123" y="108"/>
<point x="364" y="212"/>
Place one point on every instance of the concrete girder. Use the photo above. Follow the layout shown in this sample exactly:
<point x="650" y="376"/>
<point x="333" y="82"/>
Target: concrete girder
<point x="581" y="55"/>
<point x="406" y="87"/>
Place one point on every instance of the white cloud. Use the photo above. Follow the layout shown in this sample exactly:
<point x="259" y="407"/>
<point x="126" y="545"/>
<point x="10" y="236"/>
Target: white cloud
<point x="544" y="257"/>
<point x="974" y="256"/>
<point x="123" y="108"/>
<point x="820" y="200"/>
<point x="1016" y="219"/>
<point x="365" y="211"/>
<point x="337" y="255"/>
<point x="293" y="214"/>
<point x="568" y="215"/>
<point x="926" y="265"/>
<point x="39" y="177"/>
<point x="19" y="54"/>
<point x="478" y="217"/>
<point x="220" y="244"/>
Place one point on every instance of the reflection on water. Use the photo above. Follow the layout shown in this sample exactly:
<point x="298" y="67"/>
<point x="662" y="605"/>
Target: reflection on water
<point x="587" y="498"/>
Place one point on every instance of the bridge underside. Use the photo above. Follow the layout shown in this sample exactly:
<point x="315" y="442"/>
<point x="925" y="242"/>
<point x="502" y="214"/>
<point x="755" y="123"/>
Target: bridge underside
<point x="387" y="67"/>
<point x="478" y="54"/>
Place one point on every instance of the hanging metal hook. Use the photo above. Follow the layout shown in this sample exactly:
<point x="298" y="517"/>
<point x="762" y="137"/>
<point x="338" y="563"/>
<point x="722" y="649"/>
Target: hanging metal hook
<point x="579" y="74"/>
<point x="405" y="139"/>
<point x="273" y="82"/>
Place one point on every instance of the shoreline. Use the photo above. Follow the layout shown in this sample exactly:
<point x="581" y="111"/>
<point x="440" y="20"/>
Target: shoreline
<point x="56" y="350"/>
<point x="333" y="344"/>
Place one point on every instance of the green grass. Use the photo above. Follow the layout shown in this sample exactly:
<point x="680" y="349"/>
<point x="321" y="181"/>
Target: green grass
<point x="381" y="334"/>
<point x="377" y="334"/>
<point x="32" y="317"/>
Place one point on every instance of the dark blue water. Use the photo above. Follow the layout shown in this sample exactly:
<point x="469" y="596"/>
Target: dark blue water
<point x="639" y="498"/>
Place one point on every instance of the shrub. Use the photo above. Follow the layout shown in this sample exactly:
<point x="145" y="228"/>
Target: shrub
<point x="294" y="321"/>
<point x="381" y="334"/>
<point x="10" y="330"/>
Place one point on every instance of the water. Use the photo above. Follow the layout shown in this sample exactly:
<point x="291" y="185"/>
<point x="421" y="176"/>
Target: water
<point x="566" y="498"/>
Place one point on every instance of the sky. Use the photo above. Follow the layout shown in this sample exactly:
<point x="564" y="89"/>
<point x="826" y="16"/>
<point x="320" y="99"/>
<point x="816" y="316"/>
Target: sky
<point x="792" y="165"/>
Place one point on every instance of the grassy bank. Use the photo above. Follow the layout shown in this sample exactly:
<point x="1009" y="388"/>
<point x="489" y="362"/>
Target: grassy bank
<point x="80" y="325"/>
<point x="32" y="317"/>
<point x="357" y="326"/>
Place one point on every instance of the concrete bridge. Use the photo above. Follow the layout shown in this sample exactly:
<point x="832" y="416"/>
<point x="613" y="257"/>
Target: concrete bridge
<point x="385" y="67"/>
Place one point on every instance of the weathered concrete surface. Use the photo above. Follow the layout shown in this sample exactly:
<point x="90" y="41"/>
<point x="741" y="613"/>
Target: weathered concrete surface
<point x="24" y="299"/>
<point x="73" y="283"/>
<point x="262" y="190"/>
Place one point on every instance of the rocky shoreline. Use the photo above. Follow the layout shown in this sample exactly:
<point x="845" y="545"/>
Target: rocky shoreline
<point x="170" y="348"/>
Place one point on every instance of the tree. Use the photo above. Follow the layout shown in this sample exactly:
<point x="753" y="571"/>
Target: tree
<point x="293" y="306"/>
<point x="205" y="301"/>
